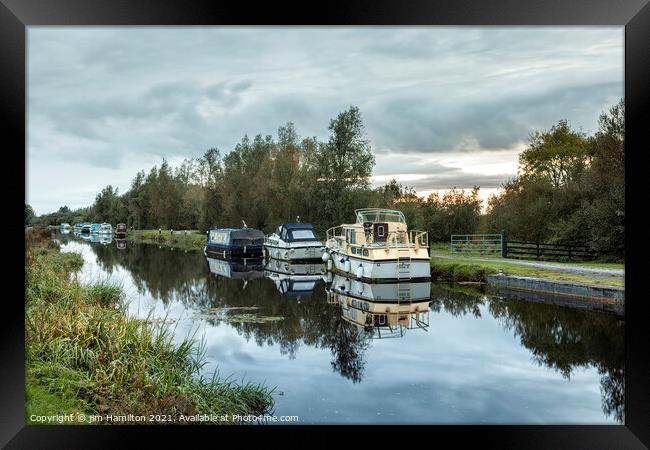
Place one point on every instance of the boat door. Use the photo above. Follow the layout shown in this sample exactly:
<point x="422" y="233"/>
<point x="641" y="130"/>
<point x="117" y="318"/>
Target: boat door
<point x="380" y="231"/>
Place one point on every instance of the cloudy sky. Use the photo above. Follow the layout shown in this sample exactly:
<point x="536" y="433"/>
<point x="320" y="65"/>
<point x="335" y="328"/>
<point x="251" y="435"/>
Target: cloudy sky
<point x="443" y="106"/>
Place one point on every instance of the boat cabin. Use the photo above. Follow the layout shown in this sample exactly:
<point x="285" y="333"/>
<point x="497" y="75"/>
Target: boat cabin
<point x="242" y="242"/>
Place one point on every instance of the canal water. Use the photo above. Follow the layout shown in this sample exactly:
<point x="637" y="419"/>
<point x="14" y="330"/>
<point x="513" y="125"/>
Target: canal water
<point x="455" y="355"/>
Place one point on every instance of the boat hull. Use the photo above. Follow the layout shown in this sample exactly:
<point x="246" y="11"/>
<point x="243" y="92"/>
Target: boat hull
<point x="225" y="251"/>
<point x="381" y="270"/>
<point x="290" y="252"/>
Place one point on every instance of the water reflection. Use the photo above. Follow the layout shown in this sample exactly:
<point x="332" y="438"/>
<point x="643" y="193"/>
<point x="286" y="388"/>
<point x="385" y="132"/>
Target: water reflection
<point x="344" y="318"/>
<point x="385" y="309"/>
<point x="236" y="268"/>
<point x="120" y="244"/>
<point x="294" y="279"/>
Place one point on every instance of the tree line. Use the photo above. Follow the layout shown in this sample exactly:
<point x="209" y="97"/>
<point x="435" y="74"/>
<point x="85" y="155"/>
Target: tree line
<point x="568" y="185"/>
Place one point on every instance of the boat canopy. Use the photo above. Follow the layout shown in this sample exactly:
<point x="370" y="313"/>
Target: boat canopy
<point x="231" y="235"/>
<point x="296" y="231"/>
<point x="379" y="215"/>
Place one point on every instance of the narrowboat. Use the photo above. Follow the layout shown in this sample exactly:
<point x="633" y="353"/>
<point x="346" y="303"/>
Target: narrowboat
<point x="236" y="268"/>
<point x="105" y="228"/>
<point x="94" y="228"/>
<point x="386" y="309"/>
<point x="294" y="279"/>
<point x="239" y="242"/>
<point x="378" y="247"/>
<point x="294" y="242"/>
<point x="120" y="230"/>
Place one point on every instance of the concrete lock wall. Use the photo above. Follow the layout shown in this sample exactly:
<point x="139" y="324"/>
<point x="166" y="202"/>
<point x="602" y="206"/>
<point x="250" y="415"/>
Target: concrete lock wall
<point x="592" y="296"/>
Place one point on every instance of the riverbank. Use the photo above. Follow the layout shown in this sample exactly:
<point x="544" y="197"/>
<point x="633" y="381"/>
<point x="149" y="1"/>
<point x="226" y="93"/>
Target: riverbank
<point x="192" y="240"/>
<point x="84" y="355"/>
<point x="463" y="269"/>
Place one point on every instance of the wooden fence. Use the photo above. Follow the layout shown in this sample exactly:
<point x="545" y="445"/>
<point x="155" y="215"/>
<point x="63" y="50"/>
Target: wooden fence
<point x="498" y="244"/>
<point x="540" y="250"/>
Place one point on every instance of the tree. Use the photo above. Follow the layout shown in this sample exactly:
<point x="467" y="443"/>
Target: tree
<point x="29" y="215"/>
<point x="558" y="155"/>
<point x="341" y="165"/>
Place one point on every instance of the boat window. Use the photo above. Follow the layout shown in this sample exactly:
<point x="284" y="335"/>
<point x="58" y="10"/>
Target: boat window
<point x="302" y="234"/>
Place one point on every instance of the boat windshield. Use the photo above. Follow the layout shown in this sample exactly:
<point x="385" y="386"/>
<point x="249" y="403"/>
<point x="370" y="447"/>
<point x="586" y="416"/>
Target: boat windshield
<point x="299" y="235"/>
<point x="379" y="215"/>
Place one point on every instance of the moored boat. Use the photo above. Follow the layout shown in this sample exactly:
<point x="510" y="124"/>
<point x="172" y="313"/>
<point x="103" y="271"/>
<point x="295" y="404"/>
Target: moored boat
<point x="65" y="226"/>
<point x="295" y="241"/>
<point x="120" y="230"/>
<point x="85" y="228"/>
<point x="105" y="228"/>
<point x="378" y="247"/>
<point x="94" y="228"/>
<point x="237" y="242"/>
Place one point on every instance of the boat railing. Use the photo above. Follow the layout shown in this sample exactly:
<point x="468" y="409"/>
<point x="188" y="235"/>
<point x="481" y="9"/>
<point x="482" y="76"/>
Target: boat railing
<point x="355" y="237"/>
<point x="419" y="238"/>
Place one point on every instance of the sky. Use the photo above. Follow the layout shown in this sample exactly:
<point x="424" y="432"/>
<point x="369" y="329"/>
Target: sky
<point x="442" y="106"/>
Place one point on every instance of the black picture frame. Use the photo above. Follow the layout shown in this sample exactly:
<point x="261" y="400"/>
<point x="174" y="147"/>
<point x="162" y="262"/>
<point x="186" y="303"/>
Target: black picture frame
<point x="16" y="15"/>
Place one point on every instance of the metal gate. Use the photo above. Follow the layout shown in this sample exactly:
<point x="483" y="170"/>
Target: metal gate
<point x="477" y="244"/>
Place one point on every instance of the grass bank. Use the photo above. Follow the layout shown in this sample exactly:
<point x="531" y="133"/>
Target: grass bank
<point x="444" y="249"/>
<point x="190" y="241"/>
<point x="461" y="269"/>
<point x="84" y="355"/>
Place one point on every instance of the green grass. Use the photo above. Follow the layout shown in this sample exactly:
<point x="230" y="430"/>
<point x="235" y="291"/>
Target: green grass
<point x="461" y="269"/>
<point x="84" y="354"/>
<point x="192" y="241"/>
<point x="444" y="249"/>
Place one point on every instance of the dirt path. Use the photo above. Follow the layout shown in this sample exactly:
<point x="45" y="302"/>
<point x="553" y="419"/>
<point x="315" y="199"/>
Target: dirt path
<point x="598" y="272"/>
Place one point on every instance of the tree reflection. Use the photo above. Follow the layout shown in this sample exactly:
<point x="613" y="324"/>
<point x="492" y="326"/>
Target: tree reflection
<point x="560" y="338"/>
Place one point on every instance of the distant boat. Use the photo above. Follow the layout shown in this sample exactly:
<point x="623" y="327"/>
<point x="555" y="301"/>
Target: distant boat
<point x="235" y="242"/>
<point x="120" y="230"/>
<point x="105" y="228"/>
<point x="77" y="227"/>
<point x="85" y="228"/>
<point x="65" y="226"/>
<point x="94" y="228"/>
<point x="378" y="247"/>
<point x="295" y="241"/>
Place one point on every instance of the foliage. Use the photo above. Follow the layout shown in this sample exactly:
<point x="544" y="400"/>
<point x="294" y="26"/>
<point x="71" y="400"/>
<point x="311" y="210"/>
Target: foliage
<point x="570" y="189"/>
<point x="84" y="354"/>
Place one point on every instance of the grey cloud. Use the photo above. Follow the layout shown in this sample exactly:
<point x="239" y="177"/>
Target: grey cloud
<point x="100" y="94"/>
<point x="458" y="180"/>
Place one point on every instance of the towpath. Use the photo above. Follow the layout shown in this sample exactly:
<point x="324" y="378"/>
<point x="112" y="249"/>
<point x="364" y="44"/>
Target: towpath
<point x="598" y="272"/>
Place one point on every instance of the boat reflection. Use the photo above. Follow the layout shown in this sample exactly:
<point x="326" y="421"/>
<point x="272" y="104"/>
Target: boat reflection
<point x="294" y="279"/>
<point x="236" y="268"/>
<point x="120" y="244"/>
<point x="386" y="309"/>
<point x="103" y="239"/>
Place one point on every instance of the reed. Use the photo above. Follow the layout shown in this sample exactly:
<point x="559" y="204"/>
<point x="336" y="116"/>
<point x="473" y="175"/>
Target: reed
<point x="84" y="354"/>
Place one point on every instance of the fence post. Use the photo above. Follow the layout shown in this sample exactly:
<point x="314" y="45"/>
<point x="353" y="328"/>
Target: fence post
<point x="504" y="244"/>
